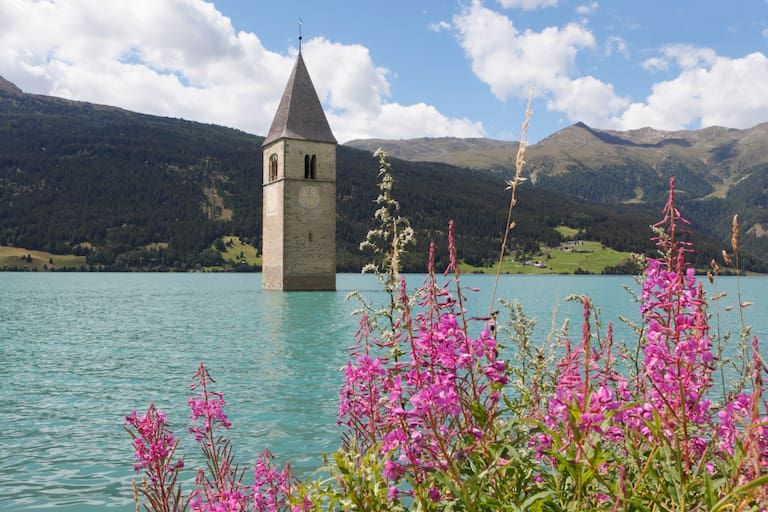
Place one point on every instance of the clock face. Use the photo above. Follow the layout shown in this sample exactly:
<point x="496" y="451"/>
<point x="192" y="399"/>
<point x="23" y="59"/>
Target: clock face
<point x="309" y="197"/>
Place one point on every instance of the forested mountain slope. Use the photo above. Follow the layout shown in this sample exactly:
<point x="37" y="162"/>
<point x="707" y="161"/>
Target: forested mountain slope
<point x="718" y="171"/>
<point x="133" y="191"/>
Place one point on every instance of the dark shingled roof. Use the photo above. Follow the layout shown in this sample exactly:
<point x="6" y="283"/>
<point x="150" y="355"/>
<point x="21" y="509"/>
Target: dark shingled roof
<point x="300" y="114"/>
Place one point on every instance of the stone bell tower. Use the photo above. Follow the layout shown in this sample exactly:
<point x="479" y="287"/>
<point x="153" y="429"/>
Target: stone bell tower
<point x="299" y="187"/>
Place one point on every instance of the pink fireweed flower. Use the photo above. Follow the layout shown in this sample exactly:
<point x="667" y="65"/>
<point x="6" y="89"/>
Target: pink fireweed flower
<point x="586" y="395"/>
<point x="271" y="487"/>
<point x="211" y="410"/>
<point x="225" y="501"/>
<point x="361" y="396"/>
<point x="225" y="497"/>
<point x="677" y="362"/>
<point x="155" y="446"/>
<point x="677" y="359"/>
<point x="208" y="405"/>
<point x="416" y="407"/>
<point x="741" y="424"/>
<point x="220" y="486"/>
<point x="734" y="414"/>
<point x="154" y="443"/>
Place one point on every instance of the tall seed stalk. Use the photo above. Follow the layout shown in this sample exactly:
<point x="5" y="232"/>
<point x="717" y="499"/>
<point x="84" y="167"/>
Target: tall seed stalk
<point x="512" y="185"/>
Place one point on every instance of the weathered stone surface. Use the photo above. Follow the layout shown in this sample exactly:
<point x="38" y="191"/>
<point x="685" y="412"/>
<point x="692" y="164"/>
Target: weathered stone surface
<point x="299" y="206"/>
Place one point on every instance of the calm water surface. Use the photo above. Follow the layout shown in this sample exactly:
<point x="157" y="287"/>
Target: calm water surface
<point x="79" y="351"/>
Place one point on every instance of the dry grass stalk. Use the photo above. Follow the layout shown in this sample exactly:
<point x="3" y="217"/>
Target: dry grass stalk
<point x="512" y="185"/>
<point x="135" y="494"/>
<point x="732" y="261"/>
<point x="727" y="259"/>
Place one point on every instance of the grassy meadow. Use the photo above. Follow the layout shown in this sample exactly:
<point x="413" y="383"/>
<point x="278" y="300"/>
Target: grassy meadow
<point x="17" y="258"/>
<point x="570" y="257"/>
<point x="236" y="251"/>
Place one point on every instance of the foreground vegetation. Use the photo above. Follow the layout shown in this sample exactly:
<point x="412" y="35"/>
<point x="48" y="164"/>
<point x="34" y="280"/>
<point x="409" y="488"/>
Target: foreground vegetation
<point x="433" y="418"/>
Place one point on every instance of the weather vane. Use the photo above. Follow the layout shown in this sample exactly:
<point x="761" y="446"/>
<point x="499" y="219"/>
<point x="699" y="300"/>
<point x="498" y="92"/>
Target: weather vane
<point x="300" y="23"/>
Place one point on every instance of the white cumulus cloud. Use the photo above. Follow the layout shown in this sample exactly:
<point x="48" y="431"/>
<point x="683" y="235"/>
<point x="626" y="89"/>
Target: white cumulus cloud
<point x="710" y="90"/>
<point x="527" y="5"/>
<point x="440" y="26"/>
<point x="689" y="57"/>
<point x="588" y="8"/>
<point x="705" y="89"/>
<point x="183" y="58"/>
<point x="511" y="61"/>
<point x="654" y="64"/>
<point x="397" y="121"/>
<point x="616" y="44"/>
<point x="356" y="93"/>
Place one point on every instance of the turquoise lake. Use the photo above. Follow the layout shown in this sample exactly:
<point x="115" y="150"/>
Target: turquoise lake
<point x="80" y="351"/>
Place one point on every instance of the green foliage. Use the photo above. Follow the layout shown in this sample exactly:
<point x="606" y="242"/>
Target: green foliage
<point x="579" y="257"/>
<point x="72" y="173"/>
<point x="133" y="190"/>
<point x="390" y="239"/>
<point x="12" y="258"/>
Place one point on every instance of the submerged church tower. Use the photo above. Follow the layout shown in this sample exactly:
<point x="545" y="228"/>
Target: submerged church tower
<point x="299" y="186"/>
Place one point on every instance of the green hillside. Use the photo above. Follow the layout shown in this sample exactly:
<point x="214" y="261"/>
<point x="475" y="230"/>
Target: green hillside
<point x="718" y="172"/>
<point x="126" y="191"/>
<point x="14" y="258"/>
<point x="568" y="258"/>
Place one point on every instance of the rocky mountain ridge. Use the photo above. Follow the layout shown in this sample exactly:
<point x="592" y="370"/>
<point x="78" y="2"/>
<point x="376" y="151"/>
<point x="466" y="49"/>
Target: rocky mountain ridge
<point x="134" y="191"/>
<point x="719" y="154"/>
<point x="718" y="172"/>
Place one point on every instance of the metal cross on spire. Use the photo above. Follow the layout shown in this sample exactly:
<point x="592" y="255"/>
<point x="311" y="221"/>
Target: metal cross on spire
<point x="300" y="23"/>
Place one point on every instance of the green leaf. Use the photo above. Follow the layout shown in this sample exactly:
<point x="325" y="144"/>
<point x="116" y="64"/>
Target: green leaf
<point x="757" y="482"/>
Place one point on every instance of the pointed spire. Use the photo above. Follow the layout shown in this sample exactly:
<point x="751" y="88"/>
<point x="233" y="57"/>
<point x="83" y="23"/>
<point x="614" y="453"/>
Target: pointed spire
<point x="300" y="114"/>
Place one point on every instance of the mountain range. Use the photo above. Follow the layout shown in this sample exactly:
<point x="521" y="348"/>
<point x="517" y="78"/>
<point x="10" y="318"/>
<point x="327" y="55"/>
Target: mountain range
<point x="138" y="192"/>
<point x="719" y="157"/>
<point x="718" y="171"/>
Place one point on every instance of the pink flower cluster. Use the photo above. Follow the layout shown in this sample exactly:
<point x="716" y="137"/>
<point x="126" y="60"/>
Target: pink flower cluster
<point x="208" y="405"/>
<point x="219" y="489"/>
<point x="425" y="400"/>
<point x="588" y="398"/>
<point x="666" y="404"/>
<point x="272" y="488"/>
<point x="741" y="424"/>
<point x="154" y="443"/>
<point x="227" y="500"/>
<point x="417" y="405"/>
<point x="678" y="361"/>
<point x="155" y="446"/>
<point x="677" y="364"/>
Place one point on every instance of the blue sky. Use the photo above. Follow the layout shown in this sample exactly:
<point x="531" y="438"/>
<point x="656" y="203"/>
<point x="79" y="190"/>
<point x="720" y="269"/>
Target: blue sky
<point x="402" y="69"/>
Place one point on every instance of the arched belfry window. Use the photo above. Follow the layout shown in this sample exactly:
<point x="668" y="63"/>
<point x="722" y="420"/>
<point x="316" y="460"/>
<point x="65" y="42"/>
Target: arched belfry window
<point x="313" y="168"/>
<point x="310" y="167"/>
<point x="273" y="167"/>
